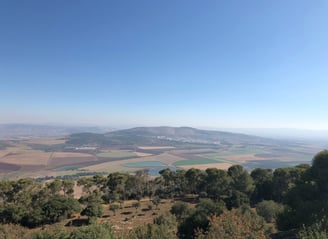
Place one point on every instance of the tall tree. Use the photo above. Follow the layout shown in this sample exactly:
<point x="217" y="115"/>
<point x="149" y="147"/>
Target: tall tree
<point x="319" y="170"/>
<point x="194" y="179"/>
<point x="263" y="185"/>
<point x="116" y="183"/>
<point x="241" y="180"/>
<point x="217" y="184"/>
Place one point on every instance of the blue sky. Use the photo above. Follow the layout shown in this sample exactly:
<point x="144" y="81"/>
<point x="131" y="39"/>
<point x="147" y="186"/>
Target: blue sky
<point x="220" y="64"/>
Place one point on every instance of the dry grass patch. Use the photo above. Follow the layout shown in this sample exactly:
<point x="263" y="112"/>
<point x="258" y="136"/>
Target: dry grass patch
<point x="129" y="217"/>
<point x="71" y="155"/>
<point x="140" y="154"/>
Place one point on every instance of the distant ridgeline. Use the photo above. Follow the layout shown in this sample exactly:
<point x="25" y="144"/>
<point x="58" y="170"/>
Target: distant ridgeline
<point x="164" y="136"/>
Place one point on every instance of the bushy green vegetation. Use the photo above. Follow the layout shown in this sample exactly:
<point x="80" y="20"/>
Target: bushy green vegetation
<point x="235" y="224"/>
<point x="94" y="231"/>
<point x="269" y="210"/>
<point x="48" y="148"/>
<point x="27" y="203"/>
<point x="318" y="230"/>
<point x="225" y="204"/>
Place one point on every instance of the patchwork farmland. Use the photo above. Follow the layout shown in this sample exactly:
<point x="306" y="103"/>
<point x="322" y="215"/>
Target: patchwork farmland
<point x="91" y="154"/>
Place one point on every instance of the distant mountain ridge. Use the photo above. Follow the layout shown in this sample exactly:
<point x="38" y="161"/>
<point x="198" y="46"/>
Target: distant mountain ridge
<point x="175" y="132"/>
<point x="162" y="135"/>
<point x="165" y="135"/>
<point x="161" y="130"/>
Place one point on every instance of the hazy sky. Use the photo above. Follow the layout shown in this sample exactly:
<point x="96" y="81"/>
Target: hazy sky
<point x="232" y="63"/>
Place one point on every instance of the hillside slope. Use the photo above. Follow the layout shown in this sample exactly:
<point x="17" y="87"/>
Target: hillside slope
<point x="165" y="136"/>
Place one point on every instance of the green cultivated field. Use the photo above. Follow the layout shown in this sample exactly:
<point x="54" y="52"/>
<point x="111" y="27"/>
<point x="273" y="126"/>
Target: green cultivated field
<point x="117" y="154"/>
<point x="194" y="162"/>
<point x="216" y="157"/>
<point x="247" y="151"/>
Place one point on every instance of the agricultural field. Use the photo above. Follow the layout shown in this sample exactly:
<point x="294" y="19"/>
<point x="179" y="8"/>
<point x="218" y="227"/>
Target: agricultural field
<point x="27" y="157"/>
<point x="146" y="164"/>
<point x="7" y="168"/>
<point x="140" y="154"/>
<point x="194" y="162"/>
<point x="117" y="154"/>
<point x="152" y="163"/>
<point x="23" y="160"/>
<point x="155" y="147"/>
<point x="59" y="157"/>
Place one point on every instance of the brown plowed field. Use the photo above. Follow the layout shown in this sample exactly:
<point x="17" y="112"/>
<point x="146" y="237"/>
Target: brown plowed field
<point x="65" y="158"/>
<point x="55" y="162"/>
<point x="7" y="167"/>
<point x="31" y="157"/>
